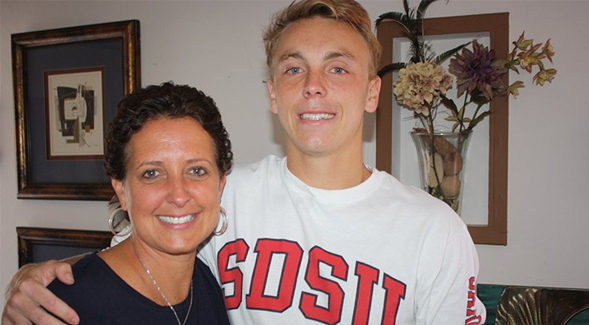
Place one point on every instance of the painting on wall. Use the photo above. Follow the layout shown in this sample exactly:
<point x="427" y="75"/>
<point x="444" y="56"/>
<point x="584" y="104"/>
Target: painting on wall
<point x="75" y="114"/>
<point x="67" y="83"/>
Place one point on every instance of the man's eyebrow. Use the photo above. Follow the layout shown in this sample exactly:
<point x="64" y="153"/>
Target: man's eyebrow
<point x="288" y="55"/>
<point x="338" y="54"/>
<point x="329" y="56"/>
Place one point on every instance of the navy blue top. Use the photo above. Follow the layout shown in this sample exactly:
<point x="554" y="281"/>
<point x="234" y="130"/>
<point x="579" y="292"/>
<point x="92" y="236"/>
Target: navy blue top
<point x="100" y="296"/>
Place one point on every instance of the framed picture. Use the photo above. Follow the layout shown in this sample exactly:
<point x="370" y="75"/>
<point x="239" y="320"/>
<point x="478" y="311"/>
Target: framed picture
<point x="67" y="83"/>
<point x="36" y="245"/>
<point x="484" y="208"/>
<point x="75" y="114"/>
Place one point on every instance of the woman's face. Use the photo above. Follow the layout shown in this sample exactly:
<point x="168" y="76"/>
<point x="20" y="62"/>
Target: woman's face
<point x="172" y="189"/>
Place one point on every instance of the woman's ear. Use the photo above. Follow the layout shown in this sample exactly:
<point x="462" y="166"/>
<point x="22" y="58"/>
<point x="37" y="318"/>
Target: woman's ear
<point x="119" y="188"/>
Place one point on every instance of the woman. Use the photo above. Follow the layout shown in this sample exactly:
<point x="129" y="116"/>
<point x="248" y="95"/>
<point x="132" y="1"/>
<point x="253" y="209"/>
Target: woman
<point x="168" y="154"/>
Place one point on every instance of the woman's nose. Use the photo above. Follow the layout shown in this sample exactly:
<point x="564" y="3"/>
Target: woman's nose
<point x="178" y="192"/>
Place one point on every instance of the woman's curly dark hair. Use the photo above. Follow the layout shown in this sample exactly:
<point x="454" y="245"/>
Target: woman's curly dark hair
<point x="164" y="101"/>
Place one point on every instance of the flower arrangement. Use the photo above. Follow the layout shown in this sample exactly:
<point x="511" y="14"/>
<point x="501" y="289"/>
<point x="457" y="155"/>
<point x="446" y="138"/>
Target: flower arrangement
<point x="422" y="83"/>
<point x="477" y="72"/>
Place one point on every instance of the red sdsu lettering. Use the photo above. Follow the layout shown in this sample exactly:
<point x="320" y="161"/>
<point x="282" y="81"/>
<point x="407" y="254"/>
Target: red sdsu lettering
<point x="395" y="292"/>
<point x="228" y="275"/>
<point x="266" y="248"/>
<point x="471" y="317"/>
<point x="339" y="269"/>
<point x="367" y="278"/>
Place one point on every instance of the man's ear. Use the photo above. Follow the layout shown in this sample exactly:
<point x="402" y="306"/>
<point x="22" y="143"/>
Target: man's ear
<point x="119" y="188"/>
<point x="373" y="94"/>
<point x="272" y="93"/>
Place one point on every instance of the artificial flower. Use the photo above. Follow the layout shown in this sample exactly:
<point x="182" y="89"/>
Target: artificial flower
<point x="543" y="76"/>
<point x="513" y="88"/>
<point x="477" y="70"/>
<point x="548" y="50"/>
<point x="479" y="73"/>
<point x="420" y="84"/>
<point x="522" y="43"/>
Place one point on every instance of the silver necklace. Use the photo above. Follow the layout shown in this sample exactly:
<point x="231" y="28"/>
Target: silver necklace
<point x="160" y="290"/>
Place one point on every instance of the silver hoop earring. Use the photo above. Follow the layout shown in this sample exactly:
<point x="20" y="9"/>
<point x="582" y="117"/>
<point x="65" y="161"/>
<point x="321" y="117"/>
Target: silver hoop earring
<point x="225" y="223"/>
<point x="116" y="223"/>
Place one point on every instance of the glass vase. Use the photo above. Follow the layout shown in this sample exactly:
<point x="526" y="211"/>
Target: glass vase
<point x="441" y="159"/>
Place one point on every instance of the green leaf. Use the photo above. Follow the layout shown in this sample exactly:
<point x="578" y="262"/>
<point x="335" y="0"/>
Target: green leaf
<point x="406" y="6"/>
<point x="444" y="56"/>
<point x="398" y="17"/>
<point x="477" y="120"/>
<point x="423" y="7"/>
<point x="449" y="103"/>
<point x="390" y="68"/>
<point x="461" y="113"/>
<point x="455" y="126"/>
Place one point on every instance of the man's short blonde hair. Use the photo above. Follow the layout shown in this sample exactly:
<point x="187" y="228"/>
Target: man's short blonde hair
<point x="347" y="11"/>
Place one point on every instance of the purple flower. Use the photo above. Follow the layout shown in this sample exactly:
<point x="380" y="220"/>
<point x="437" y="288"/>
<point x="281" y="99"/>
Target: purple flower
<point x="477" y="70"/>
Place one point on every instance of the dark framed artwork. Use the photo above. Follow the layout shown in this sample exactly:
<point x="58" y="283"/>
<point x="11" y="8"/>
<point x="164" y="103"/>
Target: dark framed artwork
<point x="66" y="85"/>
<point x="488" y="223"/>
<point x="37" y="245"/>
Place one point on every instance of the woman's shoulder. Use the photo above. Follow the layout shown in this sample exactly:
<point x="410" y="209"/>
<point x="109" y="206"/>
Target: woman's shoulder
<point x="88" y="275"/>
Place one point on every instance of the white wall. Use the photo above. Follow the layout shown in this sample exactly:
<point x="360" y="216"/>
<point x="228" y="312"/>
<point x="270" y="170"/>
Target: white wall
<point x="216" y="46"/>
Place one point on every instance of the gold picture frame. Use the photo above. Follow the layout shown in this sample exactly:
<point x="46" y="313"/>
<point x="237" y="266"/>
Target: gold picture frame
<point x="36" y="245"/>
<point x="112" y="48"/>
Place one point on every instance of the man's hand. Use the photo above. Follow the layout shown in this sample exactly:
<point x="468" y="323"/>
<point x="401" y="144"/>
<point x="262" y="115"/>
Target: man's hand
<point x="27" y="292"/>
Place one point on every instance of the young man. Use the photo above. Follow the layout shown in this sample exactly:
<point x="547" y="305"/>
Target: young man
<point x="318" y="237"/>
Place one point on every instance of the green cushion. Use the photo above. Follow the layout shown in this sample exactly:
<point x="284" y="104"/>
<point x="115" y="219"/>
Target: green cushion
<point x="489" y="295"/>
<point x="581" y="318"/>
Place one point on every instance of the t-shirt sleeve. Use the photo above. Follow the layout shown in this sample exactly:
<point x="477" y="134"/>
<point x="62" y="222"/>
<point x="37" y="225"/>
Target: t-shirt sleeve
<point x="448" y="281"/>
<point x="208" y="256"/>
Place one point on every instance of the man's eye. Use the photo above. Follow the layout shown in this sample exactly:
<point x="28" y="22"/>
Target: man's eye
<point x="294" y="70"/>
<point x="338" y="70"/>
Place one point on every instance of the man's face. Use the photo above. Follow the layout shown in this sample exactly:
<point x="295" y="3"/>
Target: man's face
<point x="320" y="87"/>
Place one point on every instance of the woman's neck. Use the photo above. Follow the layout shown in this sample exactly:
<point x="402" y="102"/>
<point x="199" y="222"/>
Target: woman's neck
<point x="172" y="274"/>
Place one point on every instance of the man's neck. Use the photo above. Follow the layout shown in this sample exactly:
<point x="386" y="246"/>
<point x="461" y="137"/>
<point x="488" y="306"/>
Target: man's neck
<point x="328" y="172"/>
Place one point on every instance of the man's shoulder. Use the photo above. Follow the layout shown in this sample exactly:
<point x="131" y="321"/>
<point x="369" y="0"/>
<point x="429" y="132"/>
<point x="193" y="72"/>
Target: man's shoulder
<point x="269" y="164"/>
<point x="414" y="201"/>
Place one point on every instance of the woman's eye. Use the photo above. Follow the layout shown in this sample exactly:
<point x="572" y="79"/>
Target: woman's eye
<point x="198" y="171"/>
<point x="150" y="174"/>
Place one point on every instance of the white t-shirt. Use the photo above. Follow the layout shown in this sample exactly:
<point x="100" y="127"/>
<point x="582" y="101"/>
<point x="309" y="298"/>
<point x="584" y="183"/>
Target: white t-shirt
<point x="377" y="253"/>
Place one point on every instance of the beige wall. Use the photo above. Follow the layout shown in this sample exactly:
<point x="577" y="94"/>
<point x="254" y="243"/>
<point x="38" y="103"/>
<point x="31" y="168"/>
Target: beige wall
<point x="216" y="46"/>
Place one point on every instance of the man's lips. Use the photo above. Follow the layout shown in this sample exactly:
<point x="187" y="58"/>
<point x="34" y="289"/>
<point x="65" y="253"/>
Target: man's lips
<point x="316" y="116"/>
